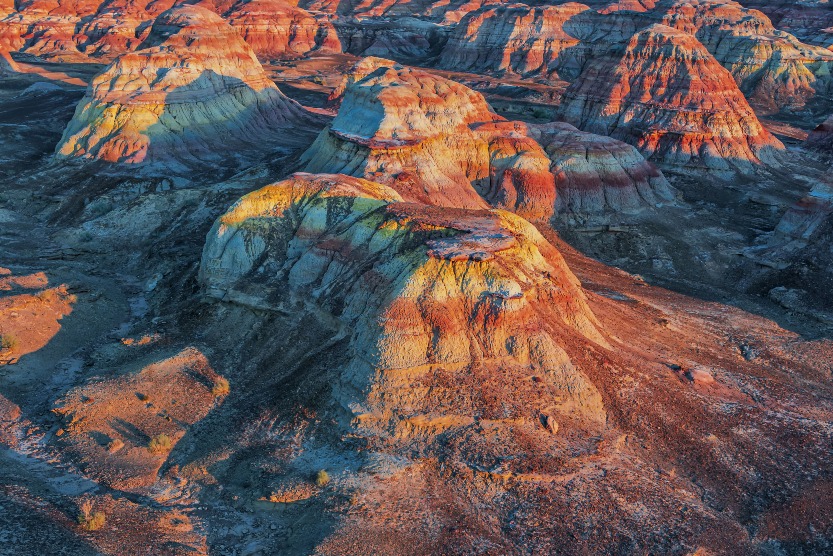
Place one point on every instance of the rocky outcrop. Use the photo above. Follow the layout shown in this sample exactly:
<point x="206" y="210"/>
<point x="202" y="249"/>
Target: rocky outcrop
<point x="795" y="262"/>
<point x="441" y="11"/>
<point x="402" y="37"/>
<point x="669" y="97"/>
<point x="516" y="39"/>
<point x="74" y="32"/>
<point x="432" y="140"/>
<point x="276" y="29"/>
<point x="195" y="93"/>
<point x="821" y="138"/>
<point x="7" y="65"/>
<point x="118" y="26"/>
<point x="809" y="20"/>
<point x="596" y="175"/>
<point x="412" y="288"/>
<point x="773" y="68"/>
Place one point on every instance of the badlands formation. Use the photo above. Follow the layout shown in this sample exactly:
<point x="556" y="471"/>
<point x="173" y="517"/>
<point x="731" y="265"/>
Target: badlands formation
<point x="195" y="91"/>
<point x="399" y="277"/>
<point x="278" y="29"/>
<point x="432" y="140"/>
<point x="669" y="97"/>
<point x="533" y="170"/>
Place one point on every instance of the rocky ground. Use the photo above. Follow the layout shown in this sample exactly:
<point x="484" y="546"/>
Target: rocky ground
<point x="565" y="348"/>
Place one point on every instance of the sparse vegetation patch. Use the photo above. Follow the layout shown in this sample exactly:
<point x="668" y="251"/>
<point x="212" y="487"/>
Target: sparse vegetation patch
<point x="322" y="478"/>
<point x="160" y="444"/>
<point x="221" y="387"/>
<point x="88" y="519"/>
<point x="7" y="342"/>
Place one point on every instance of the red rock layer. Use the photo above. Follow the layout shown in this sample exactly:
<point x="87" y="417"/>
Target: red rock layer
<point x="597" y="175"/>
<point x="413" y="286"/>
<point x="515" y="39"/>
<point x="276" y="29"/>
<point x="670" y="98"/>
<point x="75" y="31"/>
<point x="434" y="141"/>
<point x="773" y="69"/>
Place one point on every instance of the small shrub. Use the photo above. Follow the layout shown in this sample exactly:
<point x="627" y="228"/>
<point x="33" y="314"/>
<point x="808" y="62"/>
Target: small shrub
<point x="143" y="397"/>
<point x="88" y="519"/>
<point x="160" y="444"/>
<point x="115" y="445"/>
<point x="322" y="478"/>
<point x="7" y="342"/>
<point x="221" y="387"/>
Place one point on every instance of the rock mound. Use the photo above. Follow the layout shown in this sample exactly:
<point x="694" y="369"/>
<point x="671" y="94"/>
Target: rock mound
<point x="669" y="97"/>
<point x="597" y="175"/>
<point x="772" y="68"/>
<point x="118" y="26"/>
<point x="413" y="287"/>
<point x="516" y="39"/>
<point x="276" y="29"/>
<point x="434" y="141"/>
<point x="195" y="92"/>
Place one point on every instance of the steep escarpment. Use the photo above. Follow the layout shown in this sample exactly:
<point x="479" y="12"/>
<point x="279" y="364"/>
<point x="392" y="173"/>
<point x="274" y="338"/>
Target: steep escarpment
<point x="413" y="288"/>
<point x="194" y="93"/>
<point x="669" y="97"/>
<point x="517" y="39"/>
<point x="432" y="140"/>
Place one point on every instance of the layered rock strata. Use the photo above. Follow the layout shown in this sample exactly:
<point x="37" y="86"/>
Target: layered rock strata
<point x="196" y="92"/>
<point x="772" y="68"/>
<point x="517" y="39"/>
<point x="412" y="287"/>
<point x="669" y="97"/>
<point x="276" y="29"/>
<point x="597" y="175"/>
<point x="432" y="140"/>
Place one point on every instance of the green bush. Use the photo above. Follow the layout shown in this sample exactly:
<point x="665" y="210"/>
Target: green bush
<point x="322" y="478"/>
<point x="88" y="519"/>
<point x="7" y="342"/>
<point x="221" y="387"/>
<point x="160" y="444"/>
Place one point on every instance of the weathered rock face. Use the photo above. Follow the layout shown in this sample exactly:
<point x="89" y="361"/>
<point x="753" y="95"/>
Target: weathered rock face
<point x="357" y="72"/>
<point x="670" y="98"/>
<point x="413" y="287"/>
<point x="277" y="29"/>
<point x="75" y="32"/>
<point x="7" y="64"/>
<point x="196" y="92"/>
<point x="118" y="26"/>
<point x="798" y="256"/>
<point x="436" y="10"/>
<point x="821" y="138"/>
<point x="596" y="175"/>
<point x="516" y="39"/>
<point x="434" y="141"/>
<point x="773" y="68"/>
<point x="809" y="20"/>
<point x="402" y="37"/>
